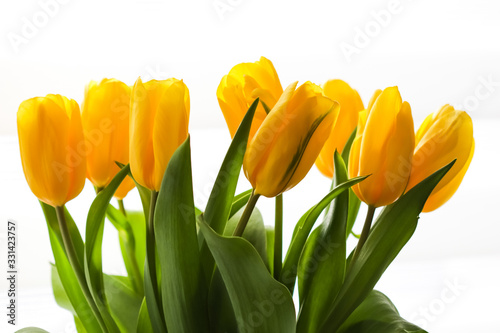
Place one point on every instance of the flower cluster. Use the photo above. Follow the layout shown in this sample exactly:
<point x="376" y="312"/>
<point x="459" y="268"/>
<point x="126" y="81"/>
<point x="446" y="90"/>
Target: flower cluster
<point x="185" y="272"/>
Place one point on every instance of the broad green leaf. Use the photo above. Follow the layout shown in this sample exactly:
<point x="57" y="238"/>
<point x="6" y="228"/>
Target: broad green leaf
<point x="377" y="314"/>
<point x="93" y="246"/>
<point x="58" y="290"/>
<point x="143" y="322"/>
<point x="182" y="282"/>
<point x="322" y="265"/>
<point x="302" y="230"/>
<point x="260" y="303"/>
<point x="222" y="318"/>
<point x="392" y="230"/>
<point x="68" y="278"/>
<point x="255" y="231"/>
<point x="132" y="235"/>
<point x="31" y="330"/>
<point x="123" y="301"/>
<point x="78" y="325"/>
<point x="221" y="198"/>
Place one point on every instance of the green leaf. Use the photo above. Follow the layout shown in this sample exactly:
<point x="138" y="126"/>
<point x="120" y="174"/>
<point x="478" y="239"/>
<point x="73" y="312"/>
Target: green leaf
<point x="143" y="322"/>
<point x="222" y="318"/>
<point x="144" y="193"/>
<point x="124" y="302"/>
<point x="255" y="231"/>
<point x="260" y="303"/>
<point x="221" y="198"/>
<point x="183" y="292"/>
<point x="68" y="278"/>
<point x="377" y="314"/>
<point x="132" y="235"/>
<point x="93" y="246"/>
<point x="394" y="227"/>
<point x="302" y="230"/>
<point x="354" y="202"/>
<point x="323" y="262"/>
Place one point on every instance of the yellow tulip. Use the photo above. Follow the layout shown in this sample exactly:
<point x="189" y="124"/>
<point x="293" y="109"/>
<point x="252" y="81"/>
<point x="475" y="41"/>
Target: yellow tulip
<point x="52" y="148"/>
<point x="244" y="83"/>
<point x="289" y="140"/>
<point x="383" y="148"/>
<point x="350" y="106"/>
<point x="158" y="126"/>
<point x="444" y="135"/>
<point x="105" y="120"/>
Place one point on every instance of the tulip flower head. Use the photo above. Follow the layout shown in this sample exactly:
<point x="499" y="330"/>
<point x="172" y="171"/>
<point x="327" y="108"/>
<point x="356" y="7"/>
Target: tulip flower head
<point x="383" y="148"/>
<point x="158" y="126"/>
<point x="289" y="140"/>
<point x="52" y="148"/>
<point x="350" y="106"/>
<point x="105" y="120"/>
<point x="444" y="136"/>
<point x="244" y="83"/>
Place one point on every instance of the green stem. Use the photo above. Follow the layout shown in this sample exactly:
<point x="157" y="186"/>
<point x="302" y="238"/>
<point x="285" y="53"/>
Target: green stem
<point x="121" y="206"/>
<point x="76" y="265"/>
<point x="246" y="214"/>
<point x="278" y="237"/>
<point x="151" y="248"/>
<point x="364" y="235"/>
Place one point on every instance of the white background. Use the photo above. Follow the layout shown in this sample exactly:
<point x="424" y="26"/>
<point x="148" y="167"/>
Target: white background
<point x="436" y="52"/>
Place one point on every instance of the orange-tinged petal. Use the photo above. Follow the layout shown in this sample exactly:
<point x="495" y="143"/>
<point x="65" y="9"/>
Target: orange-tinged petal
<point x="170" y="127"/>
<point x="289" y="140"/>
<point x="141" y="141"/>
<point x="350" y="105"/>
<point x="244" y="83"/>
<point x="383" y="148"/>
<point x="105" y="118"/>
<point x="444" y="136"/>
<point x="158" y="125"/>
<point x="440" y="197"/>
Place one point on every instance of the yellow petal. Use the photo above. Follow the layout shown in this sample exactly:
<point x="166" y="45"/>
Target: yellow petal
<point x="51" y="146"/>
<point x="440" y="197"/>
<point x="350" y="105"/>
<point x="289" y="139"/>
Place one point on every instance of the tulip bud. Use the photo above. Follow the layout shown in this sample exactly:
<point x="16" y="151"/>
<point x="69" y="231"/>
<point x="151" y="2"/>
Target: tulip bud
<point x="289" y="140"/>
<point x="52" y="148"/>
<point x="158" y="126"/>
<point x="350" y="105"/>
<point x="383" y="149"/>
<point x="444" y="136"/>
<point x="105" y="120"/>
<point x="244" y="83"/>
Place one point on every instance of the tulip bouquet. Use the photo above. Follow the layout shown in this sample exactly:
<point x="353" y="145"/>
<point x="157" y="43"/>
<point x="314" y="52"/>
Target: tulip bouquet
<point x="220" y="269"/>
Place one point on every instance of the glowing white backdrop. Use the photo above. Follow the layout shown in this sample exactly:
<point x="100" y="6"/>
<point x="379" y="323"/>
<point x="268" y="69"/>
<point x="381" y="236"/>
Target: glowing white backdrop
<point x="445" y="279"/>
